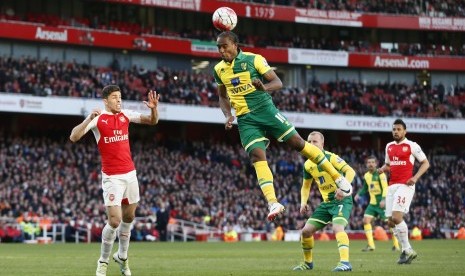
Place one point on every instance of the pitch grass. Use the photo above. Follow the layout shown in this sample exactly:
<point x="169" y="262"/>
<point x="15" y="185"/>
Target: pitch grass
<point x="435" y="257"/>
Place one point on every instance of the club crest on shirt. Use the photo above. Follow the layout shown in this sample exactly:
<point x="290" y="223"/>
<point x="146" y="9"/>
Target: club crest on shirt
<point x="244" y="66"/>
<point x="122" y="119"/>
<point x="235" y="81"/>
<point x="404" y="149"/>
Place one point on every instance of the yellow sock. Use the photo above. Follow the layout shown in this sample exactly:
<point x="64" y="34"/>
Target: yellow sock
<point x="369" y="233"/>
<point x="307" y="246"/>
<point x="265" y="180"/>
<point x="395" y="242"/>
<point x="343" y="246"/>
<point x="316" y="155"/>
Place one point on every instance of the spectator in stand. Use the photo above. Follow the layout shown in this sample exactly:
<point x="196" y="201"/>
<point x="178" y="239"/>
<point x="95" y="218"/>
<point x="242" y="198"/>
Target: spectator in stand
<point x="163" y="216"/>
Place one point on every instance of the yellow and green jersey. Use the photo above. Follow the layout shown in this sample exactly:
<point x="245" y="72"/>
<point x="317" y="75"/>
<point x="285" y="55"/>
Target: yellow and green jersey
<point x="314" y="173"/>
<point x="237" y="77"/>
<point x="376" y="185"/>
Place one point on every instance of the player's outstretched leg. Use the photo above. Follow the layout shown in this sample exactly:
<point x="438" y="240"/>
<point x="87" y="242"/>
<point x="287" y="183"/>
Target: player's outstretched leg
<point x="275" y="210"/>
<point x="407" y="256"/>
<point x="101" y="268"/>
<point x="123" y="265"/>
<point x="304" y="266"/>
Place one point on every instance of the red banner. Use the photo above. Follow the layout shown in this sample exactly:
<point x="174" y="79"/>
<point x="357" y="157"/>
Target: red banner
<point x="384" y="61"/>
<point x="119" y="40"/>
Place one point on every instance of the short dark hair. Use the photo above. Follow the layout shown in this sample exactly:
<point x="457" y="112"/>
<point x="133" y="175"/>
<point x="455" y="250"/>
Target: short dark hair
<point x="232" y="36"/>
<point x="371" y="157"/>
<point x="107" y="90"/>
<point x="400" y="122"/>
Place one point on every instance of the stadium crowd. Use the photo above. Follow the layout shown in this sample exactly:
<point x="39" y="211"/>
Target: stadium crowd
<point x="71" y="79"/>
<point x="59" y="182"/>
<point x="424" y="46"/>
<point x="437" y="8"/>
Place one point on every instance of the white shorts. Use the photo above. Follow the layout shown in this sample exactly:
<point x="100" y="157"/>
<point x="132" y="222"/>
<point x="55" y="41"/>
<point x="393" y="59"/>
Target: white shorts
<point x="398" y="198"/>
<point x="120" y="189"/>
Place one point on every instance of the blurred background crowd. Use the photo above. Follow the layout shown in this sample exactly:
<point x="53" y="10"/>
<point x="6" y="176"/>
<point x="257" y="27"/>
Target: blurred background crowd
<point x="46" y="78"/>
<point x="54" y="181"/>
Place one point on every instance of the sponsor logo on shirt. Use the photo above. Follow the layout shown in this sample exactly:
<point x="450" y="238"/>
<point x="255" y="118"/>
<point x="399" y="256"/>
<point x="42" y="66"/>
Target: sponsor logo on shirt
<point x="397" y="162"/>
<point x="117" y="137"/>
<point x="235" y="81"/>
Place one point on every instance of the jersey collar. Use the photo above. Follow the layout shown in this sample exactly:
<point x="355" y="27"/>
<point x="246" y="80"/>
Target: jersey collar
<point x="239" y="56"/>
<point x="401" y="142"/>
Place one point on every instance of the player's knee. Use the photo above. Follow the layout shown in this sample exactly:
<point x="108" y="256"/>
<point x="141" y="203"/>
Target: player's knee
<point x="296" y="142"/>
<point x="128" y="218"/>
<point x="257" y="155"/>
<point x="396" y="220"/>
<point x="114" y="223"/>
<point x="307" y="232"/>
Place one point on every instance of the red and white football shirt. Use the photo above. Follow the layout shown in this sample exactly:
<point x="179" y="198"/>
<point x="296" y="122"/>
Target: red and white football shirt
<point x="111" y="132"/>
<point x="401" y="159"/>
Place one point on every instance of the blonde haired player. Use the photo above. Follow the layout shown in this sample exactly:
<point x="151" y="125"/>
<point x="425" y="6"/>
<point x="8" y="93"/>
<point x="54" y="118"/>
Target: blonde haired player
<point x="119" y="179"/>
<point x="335" y="208"/>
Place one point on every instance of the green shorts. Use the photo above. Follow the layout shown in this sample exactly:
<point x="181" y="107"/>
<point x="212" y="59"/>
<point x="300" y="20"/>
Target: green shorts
<point x="337" y="212"/>
<point x="375" y="211"/>
<point x="256" y="125"/>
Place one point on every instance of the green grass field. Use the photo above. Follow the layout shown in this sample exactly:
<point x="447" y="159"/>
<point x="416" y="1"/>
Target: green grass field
<point x="435" y="257"/>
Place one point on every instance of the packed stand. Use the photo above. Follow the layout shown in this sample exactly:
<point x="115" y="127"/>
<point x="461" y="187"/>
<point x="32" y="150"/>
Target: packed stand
<point x="425" y="47"/>
<point x="53" y="180"/>
<point x="71" y="79"/>
<point x="437" y="8"/>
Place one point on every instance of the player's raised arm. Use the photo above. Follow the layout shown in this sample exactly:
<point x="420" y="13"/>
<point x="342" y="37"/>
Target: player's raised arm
<point x="151" y="103"/>
<point x="274" y="82"/>
<point x="79" y="130"/>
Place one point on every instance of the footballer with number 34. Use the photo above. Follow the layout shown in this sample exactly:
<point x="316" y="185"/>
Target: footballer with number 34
<point x="399" y="161"/>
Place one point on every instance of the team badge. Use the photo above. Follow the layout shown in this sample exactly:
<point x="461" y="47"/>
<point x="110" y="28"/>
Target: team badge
<point x="244" y="66"/>
<point x="404" y="149"/>
<point x="122" y="119"/>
